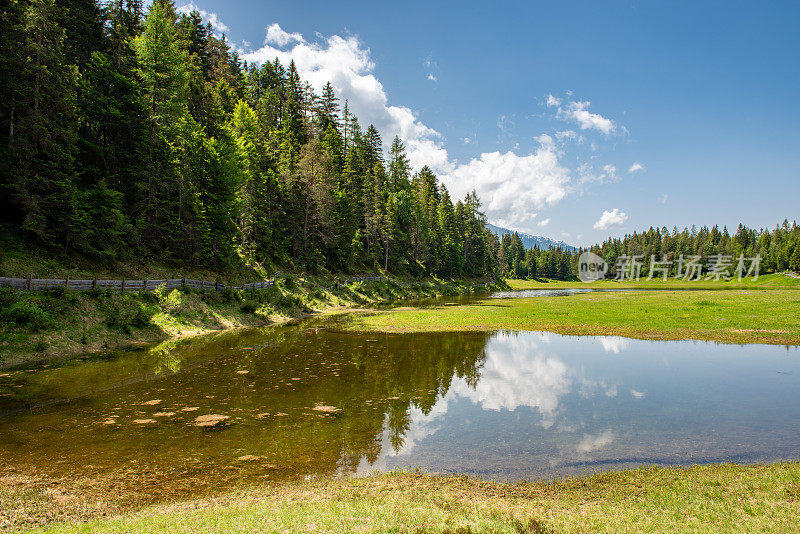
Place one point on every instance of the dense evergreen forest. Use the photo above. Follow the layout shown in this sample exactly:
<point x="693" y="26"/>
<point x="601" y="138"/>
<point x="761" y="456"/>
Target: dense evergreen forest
<point x="779" y="250"/>
<point x="128" y="134"/>
<point x="133" y="134"/>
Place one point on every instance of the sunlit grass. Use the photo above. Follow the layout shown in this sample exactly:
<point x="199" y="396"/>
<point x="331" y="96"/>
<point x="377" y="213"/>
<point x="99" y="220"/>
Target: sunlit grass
<point x="740" y="316"/>
<point x="719" y="498"/>
<point x="768" y="281"/>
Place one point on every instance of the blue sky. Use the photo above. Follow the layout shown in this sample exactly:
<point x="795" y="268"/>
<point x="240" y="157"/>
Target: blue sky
<point x="545" y="107"/>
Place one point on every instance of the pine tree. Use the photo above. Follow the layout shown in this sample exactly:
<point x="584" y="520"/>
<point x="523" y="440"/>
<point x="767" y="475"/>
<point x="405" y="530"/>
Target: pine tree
<point x="42" y="139"/>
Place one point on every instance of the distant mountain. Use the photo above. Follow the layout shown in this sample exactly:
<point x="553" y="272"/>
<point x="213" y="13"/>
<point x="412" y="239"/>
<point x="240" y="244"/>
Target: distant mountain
<point x="531" y="241"/>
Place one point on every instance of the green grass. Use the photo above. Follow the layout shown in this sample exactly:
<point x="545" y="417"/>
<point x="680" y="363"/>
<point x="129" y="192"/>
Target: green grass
<point x="740" y="316"/>
<point x="718" y="498"/>
<point x="768" y="281"/>
<point x="59" y="323"/>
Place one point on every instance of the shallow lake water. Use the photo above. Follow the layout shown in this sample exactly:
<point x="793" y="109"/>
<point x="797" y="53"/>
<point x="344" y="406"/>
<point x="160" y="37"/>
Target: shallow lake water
<point x="307" y="400"/>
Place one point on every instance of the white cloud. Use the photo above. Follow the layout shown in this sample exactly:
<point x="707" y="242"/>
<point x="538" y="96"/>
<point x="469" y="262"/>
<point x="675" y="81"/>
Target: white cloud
<point x="664" y="198"/>
<point x="544" y="222"/>
<point x="279" y="37"/>
<point x="467" y="140"/>
<point x="512" y="186"/>
<point x="636" y="167"/>
<point x="433" y="68"/>
<point x="637" y="394"/>
<point x="609" y="219"/>
<point x="578" y="111"/>
<point x="587" y="173"/>
<point x="216" y="23"/>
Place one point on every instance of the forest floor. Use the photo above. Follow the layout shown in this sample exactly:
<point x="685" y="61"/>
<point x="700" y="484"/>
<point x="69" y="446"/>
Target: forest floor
<point x="713" y="498"/>
<point x="766" y="312"/>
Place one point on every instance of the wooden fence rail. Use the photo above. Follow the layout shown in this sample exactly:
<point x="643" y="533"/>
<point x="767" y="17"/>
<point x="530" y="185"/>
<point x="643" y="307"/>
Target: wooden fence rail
<point x="38" y="284"/>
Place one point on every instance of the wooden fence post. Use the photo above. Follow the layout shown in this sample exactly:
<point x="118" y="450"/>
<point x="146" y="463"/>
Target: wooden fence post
<point x="30" y="278"/>
<point x="94" y="283"/>
<point x="66" y="283"/>
<point x="122" y="289"/>
<point x="183" y="281"/>
<point x="144" y="287"/>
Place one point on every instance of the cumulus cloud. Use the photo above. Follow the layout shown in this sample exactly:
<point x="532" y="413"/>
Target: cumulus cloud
<point x="637" y="394"/>
<point x="279" y="37"/>
<point x="610" y="218"/>
<point x="635" y="167"/>
<point x="512" y="186"/>
<point x="553" y="101"/>
<point x="216" y="22"/>
<point x="544" y="222"/>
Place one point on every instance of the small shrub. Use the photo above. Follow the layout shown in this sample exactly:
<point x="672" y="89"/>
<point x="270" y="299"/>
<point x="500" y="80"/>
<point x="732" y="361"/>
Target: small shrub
<point x="212" y="297"/>
<point x="248" y="307"/>
<point x="57" y="292"/>
<point x="140" y="318"/>
<point x="8" y="297"/>
<point x="288" y="282"/>
<point x="231" y="295"/>
<point x="170" y="301"/>
<point x="26" y="313"/>
<point x="40" y="346"/>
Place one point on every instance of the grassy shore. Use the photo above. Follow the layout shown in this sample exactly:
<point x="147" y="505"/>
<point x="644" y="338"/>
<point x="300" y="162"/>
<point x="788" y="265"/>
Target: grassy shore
<point x="769" y="281"/>
<point x="58" y="323"/>
<point x="753" y="315"/>
<point x="717" y="498"/>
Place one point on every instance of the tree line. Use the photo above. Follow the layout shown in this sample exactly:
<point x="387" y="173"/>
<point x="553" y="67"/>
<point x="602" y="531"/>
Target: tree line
<point x="778" y="249"/>
<point x="128" y="133"/>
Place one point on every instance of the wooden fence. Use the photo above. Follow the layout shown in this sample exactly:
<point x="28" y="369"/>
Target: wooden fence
<point x="37" y="284"/>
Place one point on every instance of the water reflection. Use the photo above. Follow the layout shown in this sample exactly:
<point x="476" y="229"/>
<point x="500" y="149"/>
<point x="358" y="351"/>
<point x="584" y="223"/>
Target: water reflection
<point x="304" y="401"/>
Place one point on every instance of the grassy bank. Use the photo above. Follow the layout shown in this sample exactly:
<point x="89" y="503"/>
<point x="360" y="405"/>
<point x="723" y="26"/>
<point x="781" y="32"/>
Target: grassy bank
<point x="741" y="316"/>
<point x="717" y="498"/>
<point x="44" y="324"/>
<point x="768" y="281"/>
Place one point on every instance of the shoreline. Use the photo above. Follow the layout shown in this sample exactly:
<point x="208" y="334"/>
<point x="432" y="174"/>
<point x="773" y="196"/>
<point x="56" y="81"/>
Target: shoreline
<point x="737" y="316"/>
<point x="56" y="325"/>
<point x="718" y="497"/>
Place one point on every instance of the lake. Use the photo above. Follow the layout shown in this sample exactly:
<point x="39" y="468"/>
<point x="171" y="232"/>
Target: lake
<point x="308" y="400"/>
